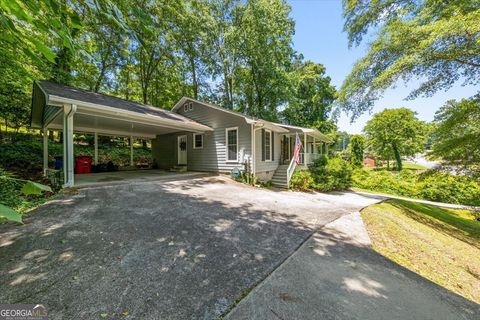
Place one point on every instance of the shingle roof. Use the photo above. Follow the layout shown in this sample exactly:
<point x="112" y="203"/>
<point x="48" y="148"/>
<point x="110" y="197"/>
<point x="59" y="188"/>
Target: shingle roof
<point x="63" y="91"/>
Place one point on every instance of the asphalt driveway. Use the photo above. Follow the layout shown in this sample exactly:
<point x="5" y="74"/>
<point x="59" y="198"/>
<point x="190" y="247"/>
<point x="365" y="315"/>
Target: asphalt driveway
<point x="157" y="249"/>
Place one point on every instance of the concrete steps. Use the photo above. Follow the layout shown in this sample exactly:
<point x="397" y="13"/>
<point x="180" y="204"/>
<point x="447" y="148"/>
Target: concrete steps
<point x="279" y="178"/>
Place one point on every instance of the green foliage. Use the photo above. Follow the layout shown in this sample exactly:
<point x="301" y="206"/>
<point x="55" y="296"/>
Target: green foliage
<point x="26" y="154"/>
<point x="10" y="214"/>
<point x="326" y="174"/>
<point x="12" y="195"/>
<point x="436" y="41"/>
<point x="428" y="185"/>
<point x="457" y="134"/>
<point x="35" y="188"/>
<point x="237" y="53"/>
<point x="311" y="102"/>
<point x="263" y="33"/>
<point x="302" y="180"/>
<point x="396" y="133"/>
<point x="357" y="146"/>
<point x="331" y="174"/>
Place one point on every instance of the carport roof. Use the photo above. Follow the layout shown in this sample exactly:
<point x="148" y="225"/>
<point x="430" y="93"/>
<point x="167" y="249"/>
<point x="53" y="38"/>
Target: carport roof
<point x="50" y="93"/>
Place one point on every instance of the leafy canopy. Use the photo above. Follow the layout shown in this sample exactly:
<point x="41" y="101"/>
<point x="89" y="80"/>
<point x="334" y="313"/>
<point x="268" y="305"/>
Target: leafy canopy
<point x="396" y="133"/>
<point x="457" y="134"/>
<point x="357" y="146"/>
<point x="432" y="40"/>
<point x="312" y="97"/>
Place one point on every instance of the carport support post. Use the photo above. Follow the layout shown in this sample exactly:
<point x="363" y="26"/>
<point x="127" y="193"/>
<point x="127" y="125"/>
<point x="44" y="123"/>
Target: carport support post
<point x="45" y="151"/>
<point x="95" y="142"/>
<point x="68" y="111"/>
<point x="131" y="151"/>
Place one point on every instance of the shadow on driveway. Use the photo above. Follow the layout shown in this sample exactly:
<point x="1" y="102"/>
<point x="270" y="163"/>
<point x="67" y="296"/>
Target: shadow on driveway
<point x="169" y="250"/>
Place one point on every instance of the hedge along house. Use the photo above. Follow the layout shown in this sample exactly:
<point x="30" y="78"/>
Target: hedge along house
<point x="60" y="107"/>
<point x="194" y="135"/>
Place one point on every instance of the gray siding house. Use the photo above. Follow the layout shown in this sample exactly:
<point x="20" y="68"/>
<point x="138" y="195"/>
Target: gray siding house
<point x="236" y="141"/>
<point x="194" y="135"/>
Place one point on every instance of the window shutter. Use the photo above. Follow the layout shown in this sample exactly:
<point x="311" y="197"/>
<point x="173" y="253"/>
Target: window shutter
<point x="263" y="144"/>
<point x="273" y="145"/>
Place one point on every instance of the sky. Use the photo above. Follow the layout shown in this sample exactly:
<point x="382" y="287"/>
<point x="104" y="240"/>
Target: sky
<point x="319" y="37"/>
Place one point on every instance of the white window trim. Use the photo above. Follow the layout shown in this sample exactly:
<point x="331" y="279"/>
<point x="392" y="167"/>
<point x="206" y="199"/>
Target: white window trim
<point x="194" y="135"/>
<point x="265" y="144"/>
<point x="226" y="145"/>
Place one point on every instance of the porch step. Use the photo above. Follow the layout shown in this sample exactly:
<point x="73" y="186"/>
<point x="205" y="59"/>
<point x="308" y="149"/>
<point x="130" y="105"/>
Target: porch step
<point x="279" y="184"/>
<point x="179" y="169"/>
<point x="279" y="178"/>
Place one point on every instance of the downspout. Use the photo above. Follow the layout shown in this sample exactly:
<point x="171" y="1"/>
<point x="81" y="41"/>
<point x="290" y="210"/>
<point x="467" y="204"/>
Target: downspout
<point x="253" y="147"/>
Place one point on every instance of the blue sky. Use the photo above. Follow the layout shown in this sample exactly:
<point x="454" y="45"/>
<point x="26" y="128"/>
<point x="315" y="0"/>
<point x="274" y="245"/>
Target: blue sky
<point x="319" y="37"/>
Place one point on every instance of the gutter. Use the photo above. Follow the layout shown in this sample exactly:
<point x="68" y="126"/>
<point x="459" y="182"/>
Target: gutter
<point x="133" y="115"/>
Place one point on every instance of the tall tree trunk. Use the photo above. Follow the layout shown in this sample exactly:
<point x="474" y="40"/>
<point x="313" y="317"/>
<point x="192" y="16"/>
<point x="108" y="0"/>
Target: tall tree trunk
<point x="100" y="77"/>
<point x="127" y="83"/>
<point x="194" y="78"/>
<point x="398" y="158"/>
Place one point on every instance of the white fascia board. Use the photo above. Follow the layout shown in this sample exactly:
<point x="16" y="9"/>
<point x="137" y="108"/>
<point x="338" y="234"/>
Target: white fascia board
<point x="105" y="132"/>
<point x="133" y="116"/>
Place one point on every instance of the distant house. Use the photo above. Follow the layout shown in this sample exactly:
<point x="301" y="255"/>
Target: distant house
<point x="196" y="135"/>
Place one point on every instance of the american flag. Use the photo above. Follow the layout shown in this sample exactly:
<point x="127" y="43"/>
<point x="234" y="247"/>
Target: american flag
<point x="297" y="148"/>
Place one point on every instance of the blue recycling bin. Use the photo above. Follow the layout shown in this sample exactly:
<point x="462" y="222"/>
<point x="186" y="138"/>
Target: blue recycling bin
<point x="58" y="163"/>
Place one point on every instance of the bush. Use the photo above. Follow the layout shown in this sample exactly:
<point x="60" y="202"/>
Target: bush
<point x="324" y="175"/>
<point x="301" y="180"/>
<point x="10" y="194"/>
<point x="430" y="185"/>
<point x="331" y="174"/>
<point x="27" y="156"/>
<point x="444" y="187"/>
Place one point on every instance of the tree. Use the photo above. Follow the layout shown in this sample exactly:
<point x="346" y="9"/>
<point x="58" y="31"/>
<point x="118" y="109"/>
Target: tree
<point x="396" y="132"/>
<point x="264" y="33"/>
<point x="357" y="145"/>
<point x="436" y="41"/>
<point x="312" y="97"/>
<point x="457" y="134"/>
<point x="47" y="29"/>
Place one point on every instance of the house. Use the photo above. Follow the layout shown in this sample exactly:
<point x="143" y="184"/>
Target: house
<point x="196" y="135"/>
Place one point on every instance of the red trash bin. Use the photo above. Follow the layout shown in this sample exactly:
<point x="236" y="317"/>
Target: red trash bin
<point x="83" y="164"/>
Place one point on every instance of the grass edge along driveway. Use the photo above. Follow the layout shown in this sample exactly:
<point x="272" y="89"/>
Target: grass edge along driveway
<point x="440" y="244"/>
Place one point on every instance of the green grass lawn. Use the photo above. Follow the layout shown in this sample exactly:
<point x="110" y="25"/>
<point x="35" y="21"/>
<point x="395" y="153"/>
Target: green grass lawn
<point x="442" y="245"/>
<point x="413" y="166"/>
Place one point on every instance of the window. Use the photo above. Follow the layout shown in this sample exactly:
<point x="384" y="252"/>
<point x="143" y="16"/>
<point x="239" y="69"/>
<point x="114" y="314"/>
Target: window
<point x="188" y="106"/>
<point x="268" y="145"/>
<point x="197" y="141"/>
<point x="185" y="107"/>
<point x="231" y="137"/>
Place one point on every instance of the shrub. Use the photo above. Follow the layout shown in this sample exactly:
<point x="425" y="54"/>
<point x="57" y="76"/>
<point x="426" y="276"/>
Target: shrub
<point x="331" y="174"/>
<point x="357" y="144"/>
<point x="301" y="180"/>
<point x="444" y="187"/>
<point x="9" y="191"/>
<point x="430" y="185"/>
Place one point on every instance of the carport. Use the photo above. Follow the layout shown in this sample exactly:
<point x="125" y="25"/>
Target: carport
<point x="61" y="107"/>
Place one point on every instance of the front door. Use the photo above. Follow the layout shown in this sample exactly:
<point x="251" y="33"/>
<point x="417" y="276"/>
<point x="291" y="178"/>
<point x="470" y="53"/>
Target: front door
<point x="182" y="150"/>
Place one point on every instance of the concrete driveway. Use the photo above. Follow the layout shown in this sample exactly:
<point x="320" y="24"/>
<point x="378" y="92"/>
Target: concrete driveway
<point x="158" y="249"/>
<point x="335" y="274"/>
